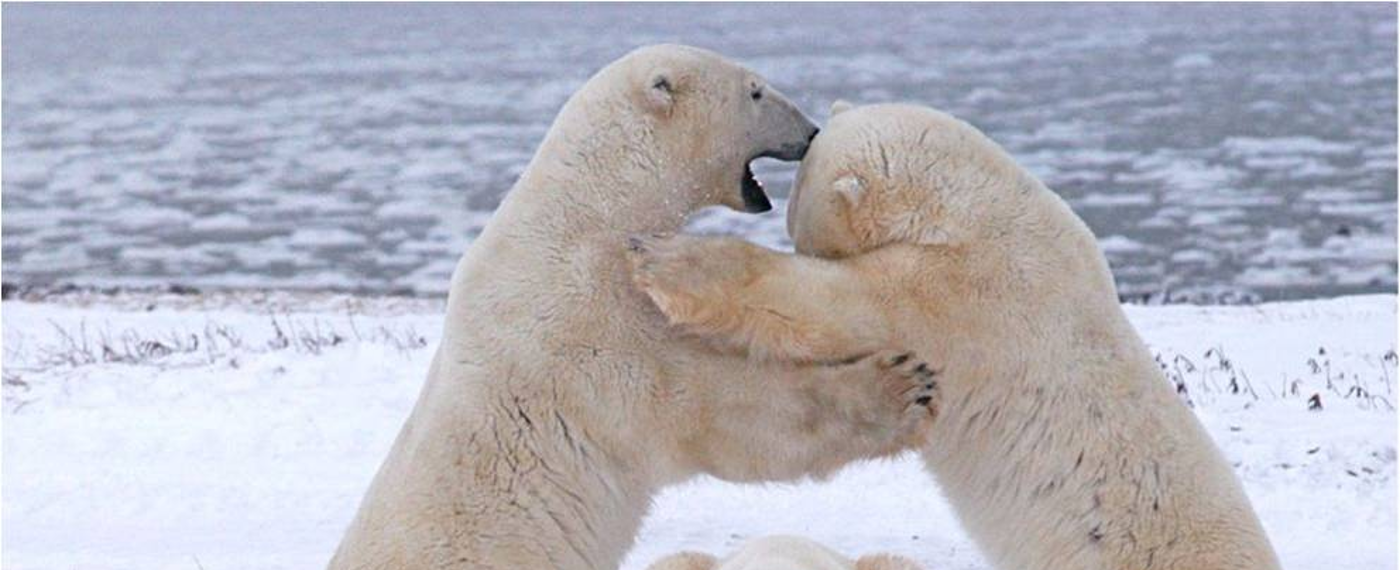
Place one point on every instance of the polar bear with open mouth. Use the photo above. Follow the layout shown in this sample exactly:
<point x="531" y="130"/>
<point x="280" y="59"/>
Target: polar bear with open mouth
<point x="559" y="401"/>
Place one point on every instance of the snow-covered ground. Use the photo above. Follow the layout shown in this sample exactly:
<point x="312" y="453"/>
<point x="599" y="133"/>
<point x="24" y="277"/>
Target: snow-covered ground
<point x="236" y="433"/>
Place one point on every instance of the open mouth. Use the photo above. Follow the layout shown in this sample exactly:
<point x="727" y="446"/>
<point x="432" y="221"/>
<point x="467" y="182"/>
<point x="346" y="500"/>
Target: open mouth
<point x="755" y="199"/>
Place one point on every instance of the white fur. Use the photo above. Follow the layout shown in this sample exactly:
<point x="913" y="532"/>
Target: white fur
<point x="1059" y="442"/>
<point x="558" y="401"/>
<point x="782" y="553"/>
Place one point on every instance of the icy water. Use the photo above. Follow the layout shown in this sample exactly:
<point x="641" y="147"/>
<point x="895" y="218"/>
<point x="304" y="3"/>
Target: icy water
<point x="1218" y="151"/>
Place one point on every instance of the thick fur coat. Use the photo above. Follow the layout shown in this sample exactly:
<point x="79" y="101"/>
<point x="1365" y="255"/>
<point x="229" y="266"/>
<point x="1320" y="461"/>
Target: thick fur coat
<point x="1060" y="444"/>
<point x="558" y="401"/>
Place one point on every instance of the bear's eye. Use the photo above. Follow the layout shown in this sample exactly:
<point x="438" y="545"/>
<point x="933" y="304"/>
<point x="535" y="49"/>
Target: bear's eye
<point x="756" y="94"/>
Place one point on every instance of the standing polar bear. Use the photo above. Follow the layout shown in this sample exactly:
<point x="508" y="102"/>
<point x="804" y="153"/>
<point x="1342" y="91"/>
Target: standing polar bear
<point x="558" y="403"/>
<point x="1061" y="447"/>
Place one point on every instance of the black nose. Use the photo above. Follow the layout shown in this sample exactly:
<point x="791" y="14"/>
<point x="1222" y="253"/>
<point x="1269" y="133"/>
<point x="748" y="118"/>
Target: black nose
<point x="813" y="136"/>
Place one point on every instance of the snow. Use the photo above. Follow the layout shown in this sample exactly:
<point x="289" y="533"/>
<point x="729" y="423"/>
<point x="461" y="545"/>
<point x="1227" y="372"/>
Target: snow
<point x="1285" y="145"/>
<point x="1121" y="244"/>
<point x="201" y="437"/>
<point x="1193" y="60"/>
<point x="1105" y="200"/>
<point x="222" y="222"/>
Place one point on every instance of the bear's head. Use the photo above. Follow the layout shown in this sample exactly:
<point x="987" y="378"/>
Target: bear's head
<point x="882" y="174"/>
<point x="709" y="118"/>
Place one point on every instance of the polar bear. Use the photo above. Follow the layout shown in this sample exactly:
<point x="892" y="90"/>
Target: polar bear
<point x="1061" y="446"/>
<point x="558" y="402"/>
<point x="783" y="553"/>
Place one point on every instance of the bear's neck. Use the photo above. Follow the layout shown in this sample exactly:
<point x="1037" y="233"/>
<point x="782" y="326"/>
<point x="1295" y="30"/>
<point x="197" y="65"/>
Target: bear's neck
<point x="604" y="190"/>
<point x="1036" y="237"/>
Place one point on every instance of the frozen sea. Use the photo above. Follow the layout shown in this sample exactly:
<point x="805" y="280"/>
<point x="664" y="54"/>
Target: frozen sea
<point x="1218" y="151"/>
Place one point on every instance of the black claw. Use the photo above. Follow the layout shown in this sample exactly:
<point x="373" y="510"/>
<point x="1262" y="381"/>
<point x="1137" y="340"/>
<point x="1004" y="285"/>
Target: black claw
<point x="852" y="360"/>
<point x="923" y="400"/>
<point x="901" y="359"/>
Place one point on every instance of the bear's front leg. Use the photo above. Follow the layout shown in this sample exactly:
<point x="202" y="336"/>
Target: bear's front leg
<point x="789" y="422"/>
<point x="758" y="301"/>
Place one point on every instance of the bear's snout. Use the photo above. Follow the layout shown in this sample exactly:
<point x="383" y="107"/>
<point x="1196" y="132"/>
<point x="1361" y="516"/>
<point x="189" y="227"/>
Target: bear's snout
<point x="793" y="150"/>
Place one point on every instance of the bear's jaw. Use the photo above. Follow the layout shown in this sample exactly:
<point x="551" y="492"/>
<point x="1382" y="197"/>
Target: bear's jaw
<point x="751" y="190"/>
<point x="755" y="199"/>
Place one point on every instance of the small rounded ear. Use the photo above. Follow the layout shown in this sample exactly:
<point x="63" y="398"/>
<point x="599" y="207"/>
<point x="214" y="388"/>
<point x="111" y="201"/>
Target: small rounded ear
<point x="659" y="92"/>
<point x="840" y="106"/>
<point x="849" y="188"/>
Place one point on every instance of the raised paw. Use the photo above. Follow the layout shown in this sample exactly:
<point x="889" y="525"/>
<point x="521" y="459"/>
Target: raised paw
<point x="688" y="276"/>
<point x="889" y="397"/>
<point x="913" y="383"/>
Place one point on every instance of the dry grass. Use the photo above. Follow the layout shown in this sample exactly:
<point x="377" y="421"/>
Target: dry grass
<point x="1370" y="383"/>
<point x="84" y="345"/>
